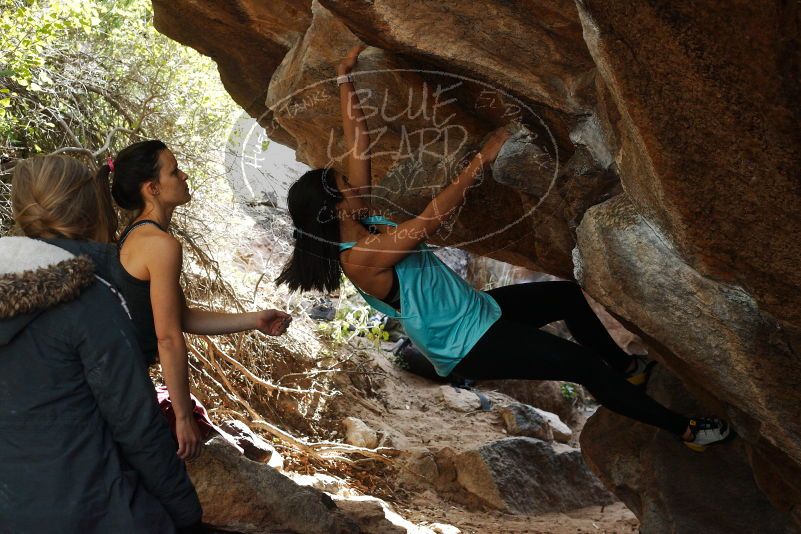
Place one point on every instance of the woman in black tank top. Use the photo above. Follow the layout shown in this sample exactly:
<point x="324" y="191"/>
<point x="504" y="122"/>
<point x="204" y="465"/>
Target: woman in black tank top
<point x="137" y="293"/>
<point x="146" y="180"/>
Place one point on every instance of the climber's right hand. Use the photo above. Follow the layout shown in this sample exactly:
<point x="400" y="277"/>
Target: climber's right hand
<point x="349" y="61"/>
<point x="493" y="145"/>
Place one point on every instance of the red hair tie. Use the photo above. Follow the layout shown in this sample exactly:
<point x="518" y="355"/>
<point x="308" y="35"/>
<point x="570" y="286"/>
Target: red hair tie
<point x="110" y="163"/>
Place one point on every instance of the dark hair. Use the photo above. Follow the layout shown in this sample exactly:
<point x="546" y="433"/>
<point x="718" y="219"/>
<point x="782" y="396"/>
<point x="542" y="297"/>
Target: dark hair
<point x="134" y="165"/>
<point x="314" y="263"/>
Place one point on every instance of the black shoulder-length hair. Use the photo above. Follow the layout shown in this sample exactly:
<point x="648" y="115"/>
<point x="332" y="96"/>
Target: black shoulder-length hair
<point x="314" y="263"/>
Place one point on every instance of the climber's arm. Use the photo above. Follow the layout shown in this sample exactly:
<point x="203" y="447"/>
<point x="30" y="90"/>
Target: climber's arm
<point x="357" y="137"/>
<point x="386" y="249"/>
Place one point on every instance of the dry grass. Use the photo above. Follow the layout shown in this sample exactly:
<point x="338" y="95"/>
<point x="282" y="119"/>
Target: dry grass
<point x="288" y="388"/>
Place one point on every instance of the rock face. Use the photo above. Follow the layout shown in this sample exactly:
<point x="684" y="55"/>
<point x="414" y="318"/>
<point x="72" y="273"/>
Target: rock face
<point x="727" y="350"/>
<point x="670" y="487"/>
<point x="428" y="114"/>
<point x="706" y="134"/>
<point x="686" y="113"/>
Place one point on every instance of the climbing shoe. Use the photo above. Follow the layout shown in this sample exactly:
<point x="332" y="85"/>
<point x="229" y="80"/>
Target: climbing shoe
<point x="708" y="431"/>
<point x="641" y="372"/>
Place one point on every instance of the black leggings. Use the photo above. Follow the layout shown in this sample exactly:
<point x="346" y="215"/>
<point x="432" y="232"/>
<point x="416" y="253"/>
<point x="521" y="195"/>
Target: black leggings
<point x="513" y="347"/>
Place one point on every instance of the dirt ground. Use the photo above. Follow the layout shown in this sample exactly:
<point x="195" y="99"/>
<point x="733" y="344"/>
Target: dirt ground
<point x="409" y="414"/>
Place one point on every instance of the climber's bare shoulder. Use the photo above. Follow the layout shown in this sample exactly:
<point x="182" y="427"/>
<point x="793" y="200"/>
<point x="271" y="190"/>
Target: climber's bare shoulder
<point x="376" y="281"/>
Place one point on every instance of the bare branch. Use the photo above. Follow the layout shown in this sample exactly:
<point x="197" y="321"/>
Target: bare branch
<point x="73" y="150"/>
<point x="64" y="126"/>
<point x="95" y="154"/>
<point x="110" y="137"/>
<point x="115" y="104"/>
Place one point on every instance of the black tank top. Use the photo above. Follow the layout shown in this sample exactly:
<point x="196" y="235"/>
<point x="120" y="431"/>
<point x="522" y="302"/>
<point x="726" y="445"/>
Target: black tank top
<point x="137" y="293"/>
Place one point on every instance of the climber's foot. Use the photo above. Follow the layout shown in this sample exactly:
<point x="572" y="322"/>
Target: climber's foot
<point x="705" y="431"/>
<point x="640" y="370"/>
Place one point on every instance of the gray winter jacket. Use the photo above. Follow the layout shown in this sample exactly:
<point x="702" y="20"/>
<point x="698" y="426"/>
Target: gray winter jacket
<point x="84" y="447"/>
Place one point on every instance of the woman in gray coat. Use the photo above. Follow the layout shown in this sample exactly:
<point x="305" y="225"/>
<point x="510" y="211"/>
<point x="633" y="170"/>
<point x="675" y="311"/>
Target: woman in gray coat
<point x="84" y="447"/>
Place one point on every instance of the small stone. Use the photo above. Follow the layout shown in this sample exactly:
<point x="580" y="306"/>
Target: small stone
<point x="561" y="432"/>
<point x="253" y="446"/>
<point x="358" y="434"/>
<point x="524" y="420"/>
<point x="459" y="399"/>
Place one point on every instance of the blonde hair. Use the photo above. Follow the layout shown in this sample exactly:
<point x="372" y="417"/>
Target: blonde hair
<point x="57" y="196"/>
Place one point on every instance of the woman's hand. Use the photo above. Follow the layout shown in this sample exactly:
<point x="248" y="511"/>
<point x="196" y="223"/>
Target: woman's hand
<point x="349" y="61"/>
<point x="492" y="146"/>
<point x="189" y="437"/>
<point x="272" y="322"/>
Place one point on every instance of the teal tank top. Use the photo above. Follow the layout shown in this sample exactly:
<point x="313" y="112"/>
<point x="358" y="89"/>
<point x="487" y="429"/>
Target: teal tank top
<point x="441" y="313"/>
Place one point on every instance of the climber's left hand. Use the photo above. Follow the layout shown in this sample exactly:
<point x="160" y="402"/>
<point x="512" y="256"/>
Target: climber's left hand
<point x="349" y="61"/>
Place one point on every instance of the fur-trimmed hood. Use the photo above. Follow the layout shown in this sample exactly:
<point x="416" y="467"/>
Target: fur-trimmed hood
<point x="36" y="276"/>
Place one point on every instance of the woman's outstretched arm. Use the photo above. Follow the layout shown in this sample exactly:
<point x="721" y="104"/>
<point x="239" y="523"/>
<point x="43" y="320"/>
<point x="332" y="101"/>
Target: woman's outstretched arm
<point x="357" y="137"/>
<point x="270" y="322"/>
<point x="385" y="250"/>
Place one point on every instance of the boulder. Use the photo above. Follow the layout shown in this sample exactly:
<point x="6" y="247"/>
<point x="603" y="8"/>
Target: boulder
<point x="702" y="109"/>
<point x="250" y="497"/>
<point x="530" y="476"/>
<point x="713" y="335"/>
<point x="671" y="488"/>
<point x="245" y="63"/>
<point x="541" y="57"/>
<point x="426" y="120"/>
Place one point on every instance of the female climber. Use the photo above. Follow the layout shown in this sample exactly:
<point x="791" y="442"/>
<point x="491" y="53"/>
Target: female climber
<point x="147" y="180"/>
<point x="472" y="334"/>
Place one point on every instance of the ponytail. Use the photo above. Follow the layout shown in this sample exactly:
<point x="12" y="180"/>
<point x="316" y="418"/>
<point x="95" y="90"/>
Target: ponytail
<point x="57" y="196"/>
